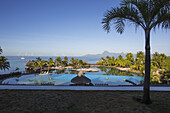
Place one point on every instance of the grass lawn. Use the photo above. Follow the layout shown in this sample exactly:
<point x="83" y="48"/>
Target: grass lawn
<point x="30" y="101"/>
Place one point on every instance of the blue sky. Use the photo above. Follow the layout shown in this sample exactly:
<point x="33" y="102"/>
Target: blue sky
<point x="68" y="27"/>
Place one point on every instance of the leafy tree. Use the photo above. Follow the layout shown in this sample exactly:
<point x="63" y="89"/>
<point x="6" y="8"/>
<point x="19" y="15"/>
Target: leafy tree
<point x="41" y="64"/>
<point x="58" y="61"/>
<point x="0" y="51"/>
<point x="72" y="61"/>
<point x="158" y="59"/>
<point x="120" y="57"/>
<point x="4" y="64"/>
<point x="65" y="61"/>
<point x="80" y="63"/>
<point x="33" y="64"/>
<point x="108" y="60"/>
<point x="166" y="63"/>
<point x="140" y="57"/>
<point x="50" y="63"/>
<point x="113" y="61"/>
<point x="148" y="14"/>
<point x="129" y="56"/>
<point x="38" y="59"/>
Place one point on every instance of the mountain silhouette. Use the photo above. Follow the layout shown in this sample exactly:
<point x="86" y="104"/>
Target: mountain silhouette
<point x="104" y="54"/>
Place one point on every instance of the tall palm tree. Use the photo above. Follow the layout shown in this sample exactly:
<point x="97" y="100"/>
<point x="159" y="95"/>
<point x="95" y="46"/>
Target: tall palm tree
<point x="65" y="60"/>
<point x="33" y="65"/>
<point x="72" y="61"/>
<point x="129" y="56"/>
<point x="41" y="64"/>
<point x="38" y="59"/>
<point x="50" y="63"/>
<point x="148" y="14"/>
<point x="0" y="50"/>
<point x="58" y="60"/>
<point x="4" y="64"/>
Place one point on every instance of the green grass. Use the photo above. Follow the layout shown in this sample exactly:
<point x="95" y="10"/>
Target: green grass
<point x="30" y="101"/>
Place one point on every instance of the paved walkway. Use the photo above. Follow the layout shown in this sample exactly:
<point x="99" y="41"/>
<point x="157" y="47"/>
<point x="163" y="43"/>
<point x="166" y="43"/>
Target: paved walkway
<point x="115" y="88"/>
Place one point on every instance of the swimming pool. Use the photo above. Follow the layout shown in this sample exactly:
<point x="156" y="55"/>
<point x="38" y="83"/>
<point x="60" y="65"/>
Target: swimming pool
<point x="64" y="79"/>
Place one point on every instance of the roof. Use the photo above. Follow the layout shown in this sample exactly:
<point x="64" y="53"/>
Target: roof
<point x="85" y="62"/>
<point x="100" y="60"/>
<point x="81" y="79"/>
<point x="28" y="62"/>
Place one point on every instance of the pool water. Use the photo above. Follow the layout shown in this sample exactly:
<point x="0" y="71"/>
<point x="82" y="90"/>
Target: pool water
<point x="65" y="79"/>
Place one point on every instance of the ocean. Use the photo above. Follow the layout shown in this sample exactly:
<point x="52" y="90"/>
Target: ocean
<point x="16" y="61"/>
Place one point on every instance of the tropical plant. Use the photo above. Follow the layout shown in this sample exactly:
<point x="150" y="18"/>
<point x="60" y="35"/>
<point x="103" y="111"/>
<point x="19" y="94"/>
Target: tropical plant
<point x="4" y="64"/>
<point x="33" y="65"/>
<point x="41" y="64"/>
<point x="0" y="51"/>
<point x="38" y="59"/>
<point x="120" y="57"/>
<point x="140" y="57"/>
<point x="80" y="63"/>
<point x="50" y="63"/>
<point x="166" y="64"/>
<point x="65" y="61"/>
<point x="148" y="14"/>
<point x="129" y="56"/>
<point x="72" y="61"/>
<point x="58" y="61"/>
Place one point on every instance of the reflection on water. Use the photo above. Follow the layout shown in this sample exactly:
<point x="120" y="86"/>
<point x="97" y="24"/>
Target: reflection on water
<point x="113" y="71"/>
<point x="102" y="71"/>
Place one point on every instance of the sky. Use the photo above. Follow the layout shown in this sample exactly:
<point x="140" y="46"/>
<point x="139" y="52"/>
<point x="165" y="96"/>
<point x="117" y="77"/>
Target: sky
<point x="68" y="28"/>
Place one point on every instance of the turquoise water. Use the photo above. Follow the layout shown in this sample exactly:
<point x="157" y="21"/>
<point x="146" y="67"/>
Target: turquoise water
<point x="64" y="79"/>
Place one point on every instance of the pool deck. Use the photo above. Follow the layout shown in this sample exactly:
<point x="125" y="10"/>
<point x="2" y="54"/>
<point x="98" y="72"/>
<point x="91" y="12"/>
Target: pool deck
<point x="96" y="88"/>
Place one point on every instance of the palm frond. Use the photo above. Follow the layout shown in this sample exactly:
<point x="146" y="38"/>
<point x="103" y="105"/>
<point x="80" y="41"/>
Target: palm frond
<point x="145" y="13"/>
<point x="118" y="16"/>
<point x="119" y="25"/>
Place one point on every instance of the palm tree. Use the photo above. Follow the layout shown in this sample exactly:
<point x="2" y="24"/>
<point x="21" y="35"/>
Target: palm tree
<point x="41" y="64"/>
<point x="120" y="57"/>
<point x="65" y="60"/>
<point x="129" y="56"/>
<point x="0" y="50"/>
<point x="108" y="60"/>
<point x="72" y="61"/>
<point x="140" y="57"/>
<point x="33" y="65"/>
<point x="50" y="63"/>
<point x="38" y="59"/>
<point x="148" y="14"/>
<point x="58" y="60"/>
<point x="4" y="64"/>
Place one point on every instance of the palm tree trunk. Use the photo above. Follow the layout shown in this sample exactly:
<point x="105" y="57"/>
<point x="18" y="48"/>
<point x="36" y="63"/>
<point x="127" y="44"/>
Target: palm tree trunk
<point x="40" y="70"/>
<point x="146" y="88"/>
<point x="48" y="69"/>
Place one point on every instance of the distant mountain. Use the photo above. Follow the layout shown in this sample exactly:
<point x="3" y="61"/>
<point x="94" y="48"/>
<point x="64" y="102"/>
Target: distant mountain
<point x="104" y="54"/>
